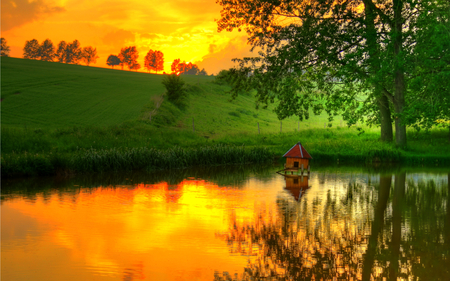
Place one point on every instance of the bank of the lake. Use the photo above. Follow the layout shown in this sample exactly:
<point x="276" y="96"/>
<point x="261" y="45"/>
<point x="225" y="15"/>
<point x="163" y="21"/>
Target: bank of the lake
<point x="135" y="147"/>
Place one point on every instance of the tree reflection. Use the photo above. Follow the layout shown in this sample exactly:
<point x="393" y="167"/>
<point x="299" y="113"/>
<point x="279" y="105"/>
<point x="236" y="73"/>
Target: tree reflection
<point x="371" y="232"/>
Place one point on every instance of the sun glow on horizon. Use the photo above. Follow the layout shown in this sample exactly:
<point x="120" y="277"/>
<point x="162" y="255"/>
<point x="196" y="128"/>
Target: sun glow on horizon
<point x="179" y="29"/>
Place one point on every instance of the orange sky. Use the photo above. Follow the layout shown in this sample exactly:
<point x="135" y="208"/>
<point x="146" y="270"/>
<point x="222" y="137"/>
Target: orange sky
<point x="178" y="28"/>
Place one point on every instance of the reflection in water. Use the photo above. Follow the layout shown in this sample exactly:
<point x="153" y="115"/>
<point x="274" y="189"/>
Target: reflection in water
<point x="370" y="232"/>
<point x="238" y="225"/>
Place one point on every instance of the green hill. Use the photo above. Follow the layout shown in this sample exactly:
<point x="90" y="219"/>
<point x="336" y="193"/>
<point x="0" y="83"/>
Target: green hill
<point x="58" y="112"/>
<point x="37" y="94"/>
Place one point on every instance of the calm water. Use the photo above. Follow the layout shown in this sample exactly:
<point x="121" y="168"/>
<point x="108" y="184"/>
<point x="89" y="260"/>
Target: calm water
<point x="228" y="224"/>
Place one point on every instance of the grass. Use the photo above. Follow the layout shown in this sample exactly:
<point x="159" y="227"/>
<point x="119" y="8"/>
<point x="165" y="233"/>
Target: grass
<point x="59" y="118"/>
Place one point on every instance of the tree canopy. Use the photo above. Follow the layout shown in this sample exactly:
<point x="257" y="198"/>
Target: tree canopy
<point x="47" y="50"/>
<point x="31" y="49"/>
<point x="128" y="56"/>
<point x="89" y="55"/>
<point x="113" y="60"/>
<point x="358" y="58"/>
<point x="5" y="49"/>
<point x="154" y="60"/>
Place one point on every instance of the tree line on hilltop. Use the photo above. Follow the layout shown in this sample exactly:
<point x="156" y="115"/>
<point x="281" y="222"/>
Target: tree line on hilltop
<point x="65" y="52"/>
<point x="153" y="61"/>
<point x="71" y="52"/>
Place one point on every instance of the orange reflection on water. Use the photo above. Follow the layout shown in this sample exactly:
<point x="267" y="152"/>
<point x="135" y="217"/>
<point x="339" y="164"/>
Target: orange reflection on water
<point x="146" y="231"/>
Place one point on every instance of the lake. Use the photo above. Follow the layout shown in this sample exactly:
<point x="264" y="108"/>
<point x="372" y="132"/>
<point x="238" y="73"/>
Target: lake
<point x="228" y="223"/>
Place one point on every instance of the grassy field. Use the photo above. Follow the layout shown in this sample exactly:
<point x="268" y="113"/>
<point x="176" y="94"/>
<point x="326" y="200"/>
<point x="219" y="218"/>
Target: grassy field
<point x="53" y="115"/>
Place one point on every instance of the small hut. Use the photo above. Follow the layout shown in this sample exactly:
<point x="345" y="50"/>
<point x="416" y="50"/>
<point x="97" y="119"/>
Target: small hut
<point x="296" y="186"/>
<point x="297" y="158"/>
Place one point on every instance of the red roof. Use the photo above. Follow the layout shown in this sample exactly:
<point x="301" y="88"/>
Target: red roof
<point x="298" y="151"/>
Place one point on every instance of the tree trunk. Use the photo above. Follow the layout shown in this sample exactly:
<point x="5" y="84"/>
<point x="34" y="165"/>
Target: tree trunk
<point x="385" y="119"/>
<point x="374" y="51"/>
<point x="397" y="207"/>
<point x="399" y="75"/>
<point x="377" y="226"/>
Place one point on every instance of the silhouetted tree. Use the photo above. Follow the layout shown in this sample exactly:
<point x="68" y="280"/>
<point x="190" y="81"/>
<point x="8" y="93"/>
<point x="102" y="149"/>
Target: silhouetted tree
<point x="31" y="49"/>
<point x="136" y="66"/>
<point x="73" y="52"/>
<point x="175" y="66"/>
<point x="113" y="60"/>
<point x="202" y="72"/>
<point x="154" y="60"/>
<point x="89" y="55"/>
<point x="193" y="70"/>
<point x="4" y="48"/>
<point x="128" y="56"/>
<point x="61" y="51"/>
<point x="47" y="50"/>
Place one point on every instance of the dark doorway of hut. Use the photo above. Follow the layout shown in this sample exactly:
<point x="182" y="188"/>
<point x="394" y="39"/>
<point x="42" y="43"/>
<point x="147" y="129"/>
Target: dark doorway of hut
<point x="297" y="161"/>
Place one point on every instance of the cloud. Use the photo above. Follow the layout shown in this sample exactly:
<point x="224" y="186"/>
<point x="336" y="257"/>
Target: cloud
<point x="118" y="38"/>
<point x="18" y="12"/>
<point x="221" y="57"/>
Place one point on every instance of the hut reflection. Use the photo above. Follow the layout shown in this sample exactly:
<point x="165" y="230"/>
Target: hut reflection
<point x="296" y="185"/>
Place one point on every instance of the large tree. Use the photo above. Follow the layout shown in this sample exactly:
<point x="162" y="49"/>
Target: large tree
<point x="47" y="50"/>
<point x="113" y="60"/>
<point x="4" y="48"/>
<point x="354" y="58"/>
<point x="89" y="55"/>
<point x="31" y="49"/>
<point x="128" y="56"/>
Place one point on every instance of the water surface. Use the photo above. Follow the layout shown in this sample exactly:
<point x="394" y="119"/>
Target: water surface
<point x="228" y="224"/>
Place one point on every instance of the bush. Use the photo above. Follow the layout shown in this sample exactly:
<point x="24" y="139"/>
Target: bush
<point x="176" y="91"/>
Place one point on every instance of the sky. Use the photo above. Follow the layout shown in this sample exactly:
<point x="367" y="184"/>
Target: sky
<point x="180" y="29"/>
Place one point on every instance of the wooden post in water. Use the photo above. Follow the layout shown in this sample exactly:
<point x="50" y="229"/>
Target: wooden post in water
<point x="258" y="129"/>
<point x="308" y="169"/>
<point x="302" y="169"/>
<point x="193" y="125"/>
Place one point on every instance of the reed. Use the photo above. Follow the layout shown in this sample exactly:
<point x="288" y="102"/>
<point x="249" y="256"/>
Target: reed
<point x="128" y="159"/>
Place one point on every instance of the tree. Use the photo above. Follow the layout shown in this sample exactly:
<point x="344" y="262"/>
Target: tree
<point x="89" y="55"/>
<point x="4" y="48"/>
<point x="136" y="66"/>
<point x="73" y="52"/>
<point x="31" y="49"/>
<point x="202" y="72"/>
<point x="154" y="60"/>
<point x="175" y="90"/>
<point x="175" y="66"/>
<point x="47" y="50"/>
<point x="113" y="60"/>
<point x="128" y="56"/>
<point x="184" y="67"/>
<point x="322" y="54"/>
<point x="61" y="52"/>
<point x="194" y="70"/>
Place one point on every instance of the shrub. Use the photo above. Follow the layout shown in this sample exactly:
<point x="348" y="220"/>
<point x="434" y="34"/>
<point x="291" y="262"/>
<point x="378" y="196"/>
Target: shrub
<point x="176" y="91"/>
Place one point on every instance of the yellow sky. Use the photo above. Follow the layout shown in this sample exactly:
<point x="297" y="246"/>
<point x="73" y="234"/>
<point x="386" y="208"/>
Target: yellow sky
<point x="178" y="28"/>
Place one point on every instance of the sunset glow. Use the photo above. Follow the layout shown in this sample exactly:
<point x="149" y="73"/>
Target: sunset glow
<point x="180" y="29"/>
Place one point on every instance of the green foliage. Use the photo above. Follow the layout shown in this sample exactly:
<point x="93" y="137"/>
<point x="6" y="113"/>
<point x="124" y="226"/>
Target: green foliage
<point x="175" y="89"/>
<point x="326" y="62"/>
